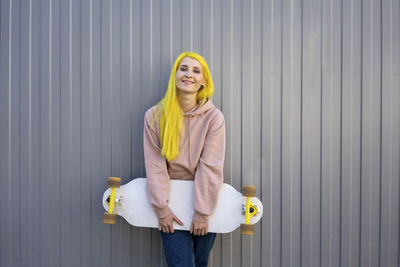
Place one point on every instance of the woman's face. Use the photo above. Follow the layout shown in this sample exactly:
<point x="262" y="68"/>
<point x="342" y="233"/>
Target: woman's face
<point x="189" y="75"/>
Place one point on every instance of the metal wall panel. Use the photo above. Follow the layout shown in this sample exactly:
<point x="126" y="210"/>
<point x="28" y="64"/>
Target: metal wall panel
<point x="310" y="93"/>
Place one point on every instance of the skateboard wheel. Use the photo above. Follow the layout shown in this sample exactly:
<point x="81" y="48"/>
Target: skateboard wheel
<point x="246" y="229"/>
<point x="109" y="218"/>
<point x="249" y="191"/>
<point x="114" y="182"/>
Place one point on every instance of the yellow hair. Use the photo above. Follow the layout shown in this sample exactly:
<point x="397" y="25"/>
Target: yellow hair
<point x="171" y="115"/>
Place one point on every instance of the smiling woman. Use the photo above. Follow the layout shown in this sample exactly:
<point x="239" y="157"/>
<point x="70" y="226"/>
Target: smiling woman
<point x="189" y="78"/>
<point x="184" y="139"/>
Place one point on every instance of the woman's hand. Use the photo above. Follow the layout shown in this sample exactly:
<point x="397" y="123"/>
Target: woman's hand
<point x="199" y="228"/>
<point x="166" y="224"/>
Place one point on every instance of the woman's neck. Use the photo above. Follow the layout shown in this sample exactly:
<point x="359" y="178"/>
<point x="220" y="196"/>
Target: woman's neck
<point x="186" y="101"/>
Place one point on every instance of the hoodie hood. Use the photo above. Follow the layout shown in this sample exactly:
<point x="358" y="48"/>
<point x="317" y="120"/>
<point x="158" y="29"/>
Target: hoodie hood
<point x="197" y="110"/>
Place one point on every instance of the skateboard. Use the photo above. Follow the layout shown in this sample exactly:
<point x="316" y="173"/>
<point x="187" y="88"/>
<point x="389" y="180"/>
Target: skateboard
<point x="233" y="209"/>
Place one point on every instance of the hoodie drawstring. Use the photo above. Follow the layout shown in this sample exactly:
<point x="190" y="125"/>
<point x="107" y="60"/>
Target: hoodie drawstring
<point x="190" y="129"/>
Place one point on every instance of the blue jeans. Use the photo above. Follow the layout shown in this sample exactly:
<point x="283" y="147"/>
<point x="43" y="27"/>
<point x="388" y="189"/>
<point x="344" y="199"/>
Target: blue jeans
<point x="182" y="249"/>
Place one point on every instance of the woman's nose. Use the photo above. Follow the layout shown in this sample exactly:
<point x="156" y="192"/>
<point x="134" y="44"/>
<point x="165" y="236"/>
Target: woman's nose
<point x="188" y="73"/>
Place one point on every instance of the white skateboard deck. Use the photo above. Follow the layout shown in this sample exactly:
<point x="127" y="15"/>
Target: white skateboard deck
<point x="131" y="202"/>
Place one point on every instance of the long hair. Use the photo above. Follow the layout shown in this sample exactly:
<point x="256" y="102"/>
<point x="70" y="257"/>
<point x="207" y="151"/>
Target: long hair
<point x="171" y="114"/>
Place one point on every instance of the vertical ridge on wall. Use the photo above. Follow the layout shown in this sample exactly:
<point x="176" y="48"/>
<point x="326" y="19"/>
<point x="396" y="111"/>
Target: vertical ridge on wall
<point x="371" y="97"/>
<point x="4" y="121"/>
<point x="331" y="118"/>
<point x="247" y="89"/>
<point x="389" y="246"/>
<point x="271" y="132"/>
<point x="226" y="100"/>
<point x="24" y="138"/>
<point x="351" y="133"/>
<point x="291" y="133"/>
<point x="7" y="69"/>
<point x="311" y="114"/>
<point x="88" y="124"/>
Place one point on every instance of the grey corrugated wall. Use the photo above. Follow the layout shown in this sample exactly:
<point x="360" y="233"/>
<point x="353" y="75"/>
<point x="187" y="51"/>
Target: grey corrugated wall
<point x="310" y="91"/>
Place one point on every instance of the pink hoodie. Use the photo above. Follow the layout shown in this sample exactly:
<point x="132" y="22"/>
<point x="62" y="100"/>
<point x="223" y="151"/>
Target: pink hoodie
<point x="202" y="153"/>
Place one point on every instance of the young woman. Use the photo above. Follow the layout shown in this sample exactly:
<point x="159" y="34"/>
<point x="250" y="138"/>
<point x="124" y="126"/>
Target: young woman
<point x="184" y="139"/>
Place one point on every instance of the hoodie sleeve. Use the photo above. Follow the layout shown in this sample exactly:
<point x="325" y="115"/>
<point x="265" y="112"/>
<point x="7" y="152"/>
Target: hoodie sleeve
<point x="209" y="174"/>
<point x="158" y="181"/>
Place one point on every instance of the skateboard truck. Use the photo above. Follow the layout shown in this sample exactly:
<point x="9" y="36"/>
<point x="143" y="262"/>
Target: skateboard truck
<point x="118" y="200"/>
<point x="110" y="217"/>
<point x="249" y="210"/>
<point x="253" y="209"/>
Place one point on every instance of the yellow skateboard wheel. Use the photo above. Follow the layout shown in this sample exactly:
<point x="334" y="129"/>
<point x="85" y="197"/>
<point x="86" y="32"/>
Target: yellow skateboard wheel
<point x="246" y="229"/>
<point x="249" y="191"/>
<point x="109" y="218"/>
<point x="114" y="182"/>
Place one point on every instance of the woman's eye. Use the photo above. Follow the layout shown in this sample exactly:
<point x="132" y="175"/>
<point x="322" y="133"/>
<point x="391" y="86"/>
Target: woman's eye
<point x="183" y="69"/>
<point x="196" y="71"/>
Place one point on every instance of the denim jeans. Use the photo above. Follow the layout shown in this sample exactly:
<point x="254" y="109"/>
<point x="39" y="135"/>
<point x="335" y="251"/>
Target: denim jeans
<point x="182" y="249"/>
